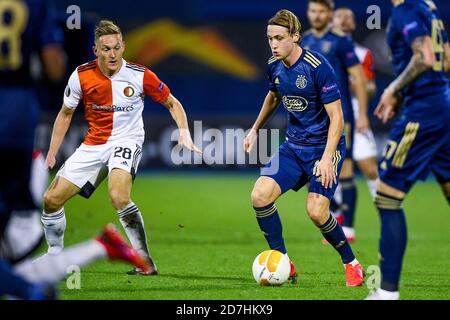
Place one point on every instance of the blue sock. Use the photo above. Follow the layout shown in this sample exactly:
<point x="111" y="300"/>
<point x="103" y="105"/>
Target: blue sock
<point x="270" y="224"/>
<point x="13" y="285"/>
<point x="348" y="201"/>
<point x="332" y="232"/>
<point x="393" y="240"/>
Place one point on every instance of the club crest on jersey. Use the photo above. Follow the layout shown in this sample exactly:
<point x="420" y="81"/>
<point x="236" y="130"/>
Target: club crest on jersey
<point x="128" y="91"/>
<point x="301" y="82"/>
<point x="326" y="46"/>
<point x="294" y="103"/>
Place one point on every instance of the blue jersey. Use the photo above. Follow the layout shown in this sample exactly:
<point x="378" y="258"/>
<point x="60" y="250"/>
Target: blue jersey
<point x="27" y="27"/>
<point x="304" y="88"/>
<point x="410" y="20"/>
<point x="339" y="50"/>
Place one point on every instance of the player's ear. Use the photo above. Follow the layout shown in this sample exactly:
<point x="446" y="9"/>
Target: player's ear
<point x="94" y="49"/>
<point x="296" y="37"/>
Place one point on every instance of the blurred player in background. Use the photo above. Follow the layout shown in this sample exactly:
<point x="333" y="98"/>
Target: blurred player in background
<point x="419" y="141"/>
<point x="339" y="50"/>
<point x="314" y="149"/>
<point x="112" y="90"/>
<point x="28" y="279"/>
<point x="27" y="28"/>
<point x="364" y="145"/>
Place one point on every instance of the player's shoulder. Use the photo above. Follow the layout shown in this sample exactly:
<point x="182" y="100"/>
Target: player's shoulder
<point x="87" y="66"/>
<point x="308" y="33"/>
<point x="337" y="32"/>
<point x="313" y="58"/>
<point x="135" y="66"/>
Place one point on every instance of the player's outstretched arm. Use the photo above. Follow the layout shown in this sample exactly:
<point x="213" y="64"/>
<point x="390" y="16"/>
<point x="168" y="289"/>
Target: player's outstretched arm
<point x="179" y="115"/>
<point x="423" y="59"/>
<point x="60" y="127"/>
<point x="360" y="86"/>
<point x="270" y="104"/>
<point x="325" y="166"/>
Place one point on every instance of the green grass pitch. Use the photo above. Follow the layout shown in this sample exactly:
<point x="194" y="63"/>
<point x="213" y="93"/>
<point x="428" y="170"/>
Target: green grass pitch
<point x="203" y="235"/>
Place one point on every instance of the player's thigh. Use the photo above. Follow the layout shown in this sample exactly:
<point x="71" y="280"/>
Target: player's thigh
<point x="409" y="152"/>
<point x="318" y="208"/>
<point x="440" y="166"/>
<point x="284" y="170"/>
<point x="369" y="168"/>
<point x="119" y="183"/>
<point x="59" y="191"/>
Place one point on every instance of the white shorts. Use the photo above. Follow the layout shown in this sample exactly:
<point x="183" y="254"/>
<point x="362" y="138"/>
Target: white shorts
<point x="364" y="145"/>
<point x="89" y="165"/>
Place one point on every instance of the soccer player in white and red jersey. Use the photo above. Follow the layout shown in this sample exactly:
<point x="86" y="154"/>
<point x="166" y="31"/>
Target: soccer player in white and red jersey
<point x="364" y="145"/>
<point x="112" y="92"/>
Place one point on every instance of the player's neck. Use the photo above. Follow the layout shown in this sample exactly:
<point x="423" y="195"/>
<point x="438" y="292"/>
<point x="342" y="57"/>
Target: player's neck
<point x="110" y="73"/>
<point x="293" y="57"/>
<point x="320" y="32"/>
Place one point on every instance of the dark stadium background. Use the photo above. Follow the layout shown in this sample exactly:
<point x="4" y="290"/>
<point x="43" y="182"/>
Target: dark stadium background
<point x="226" y="87"/>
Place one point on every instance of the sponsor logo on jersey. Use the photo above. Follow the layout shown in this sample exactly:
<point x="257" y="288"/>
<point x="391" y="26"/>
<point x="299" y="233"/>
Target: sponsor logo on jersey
<point x="67" y="91"/>
<point x="294" y="103"/>
<point x="277" y="80"/>
<point x="128" y="91"/>
<point x="301" y="82"/>
<point x="329" y="88"/>
<point x="112" y="108"/>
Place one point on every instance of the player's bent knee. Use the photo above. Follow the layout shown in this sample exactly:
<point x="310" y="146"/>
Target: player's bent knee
<point x="52" y="202"/>
<point x="317" y="210"/>
<point x="260" y="197"/>
<point x="118" y="199"/>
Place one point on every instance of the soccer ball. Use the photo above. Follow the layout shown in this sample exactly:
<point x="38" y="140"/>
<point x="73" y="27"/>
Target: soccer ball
<point x="271" y="267"/>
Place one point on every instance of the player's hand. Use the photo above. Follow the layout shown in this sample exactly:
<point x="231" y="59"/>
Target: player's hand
<point x="362" y="124"/>
<point x="185" y="140"/>
<point x="250" y="140"/>
<point x="324" y="169"/>
<point x="50" y="160"/>
<point x="387" y="106"/>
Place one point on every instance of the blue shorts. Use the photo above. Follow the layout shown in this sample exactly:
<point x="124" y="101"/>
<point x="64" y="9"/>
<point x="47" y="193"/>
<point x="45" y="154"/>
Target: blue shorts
<point x="417" y="146"/>
<point x="293" y="165"/>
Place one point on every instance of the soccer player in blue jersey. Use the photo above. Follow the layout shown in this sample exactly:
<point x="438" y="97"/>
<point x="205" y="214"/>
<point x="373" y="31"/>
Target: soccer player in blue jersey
<point x="419" y="141"/>
<point x="304" y="82"/>
<point x="339" y="50"/>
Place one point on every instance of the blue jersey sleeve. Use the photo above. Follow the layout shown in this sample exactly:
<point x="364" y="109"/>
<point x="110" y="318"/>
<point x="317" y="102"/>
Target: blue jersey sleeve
<point x="272" y="86"/>
<point x="411" y="23"/>
<point x="346" y="52"/>
<point x="49" y="32"/>
<point x="326" y="83"/>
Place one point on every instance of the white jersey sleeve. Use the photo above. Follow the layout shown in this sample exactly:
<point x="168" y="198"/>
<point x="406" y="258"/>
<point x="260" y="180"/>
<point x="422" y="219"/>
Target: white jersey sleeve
<point x="73" y="93"/>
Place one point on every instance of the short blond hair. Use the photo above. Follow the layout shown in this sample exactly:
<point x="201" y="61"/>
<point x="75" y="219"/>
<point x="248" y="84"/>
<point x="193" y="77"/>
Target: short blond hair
<point x="106" y="27"/>
<point x="287" y="19"/>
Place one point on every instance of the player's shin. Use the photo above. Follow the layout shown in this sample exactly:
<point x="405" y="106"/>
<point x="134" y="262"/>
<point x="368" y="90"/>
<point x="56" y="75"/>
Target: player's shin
<point x="332" y="232"/>
<point x="54" y="227"/>
<point x="393" y="240"/>
<point x="270" y="224"/>
<point x="348" y="201"/>
<point x="131" y="220"/>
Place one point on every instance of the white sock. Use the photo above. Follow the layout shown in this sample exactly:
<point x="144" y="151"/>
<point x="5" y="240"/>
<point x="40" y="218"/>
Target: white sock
<point x="53" y="268"/>
<point x="354" y="262"/>
<point x="372" y="184"/>
<point x="132" y="222"/>
<point x="54" y="227"/>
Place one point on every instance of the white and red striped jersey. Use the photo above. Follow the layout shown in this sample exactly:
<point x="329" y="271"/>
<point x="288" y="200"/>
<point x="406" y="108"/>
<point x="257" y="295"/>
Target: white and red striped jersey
<point x="113" y="105"/>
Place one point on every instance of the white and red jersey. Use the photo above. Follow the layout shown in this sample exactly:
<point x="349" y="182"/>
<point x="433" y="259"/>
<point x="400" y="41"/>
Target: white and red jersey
<point x="113" y="105"/>
<point x="366" y="58"/>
